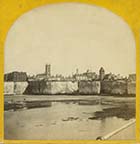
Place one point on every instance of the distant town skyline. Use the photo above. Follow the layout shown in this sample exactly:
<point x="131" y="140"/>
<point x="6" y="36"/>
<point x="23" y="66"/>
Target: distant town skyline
<point x="69" y="74"/>
<point x="70" y="36"/>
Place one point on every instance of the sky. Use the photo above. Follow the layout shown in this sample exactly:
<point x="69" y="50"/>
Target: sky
<point x="70" y="36"/>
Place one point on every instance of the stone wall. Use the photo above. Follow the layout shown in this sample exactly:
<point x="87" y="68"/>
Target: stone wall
<point x="8" y="88"/>
<point x="45" y="87"/>
<point x="131" y="88"/>
<point x="20" y="87"/>
<point x="52" y="87"/>
<point x="89" y="87"/>
<point x="64" y="87"/>
<point x="117" y="87"/>
<point x="15" y="87"/>
<point x="114" y="87"/>
<point x="33" y="87"/>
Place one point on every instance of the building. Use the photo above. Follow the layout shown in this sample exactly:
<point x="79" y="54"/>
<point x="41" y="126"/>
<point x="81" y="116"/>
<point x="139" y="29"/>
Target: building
<point x="45" y="75"/>
<point x="88" y="75"/>
<point x="113" y="77"/>
<point x="16" y="76"/>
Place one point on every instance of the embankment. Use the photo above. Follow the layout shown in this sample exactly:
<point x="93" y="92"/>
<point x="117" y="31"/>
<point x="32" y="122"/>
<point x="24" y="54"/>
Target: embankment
<point x="15" y="87"/>
<point x="8" y="88"/>
<point x="89" y="87"/>
<point x="52" y="87"/>
<point x="114" y="87"/>
<point x="44" y="87"/>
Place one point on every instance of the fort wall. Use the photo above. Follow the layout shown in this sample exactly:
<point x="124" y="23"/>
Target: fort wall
<point x="64" y="87"/>
<point x="114" y="87"/>
<point x="20" y="87"/>
<point x="33" y="87"/>
<point x="131" y="88"/>
<point x="118" y="87"/>
<point x="8" y="88"/>
<point x="89" y="87"/>
<point x="15" y="87"/>
<point x="52" y="87"/>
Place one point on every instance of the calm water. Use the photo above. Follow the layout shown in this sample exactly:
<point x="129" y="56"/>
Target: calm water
<point x="69" y="120"/>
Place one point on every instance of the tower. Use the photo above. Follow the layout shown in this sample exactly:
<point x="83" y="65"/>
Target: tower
<point x="77" y="71"/>
<point x="101" y="73"/>
<point x="48" y="70"/>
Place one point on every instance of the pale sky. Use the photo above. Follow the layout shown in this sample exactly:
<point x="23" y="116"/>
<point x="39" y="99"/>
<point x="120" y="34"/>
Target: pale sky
<point x="70" y="36"/>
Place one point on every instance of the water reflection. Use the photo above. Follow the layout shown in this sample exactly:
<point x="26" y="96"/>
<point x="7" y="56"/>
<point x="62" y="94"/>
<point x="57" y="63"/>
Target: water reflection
<point x="82" y="119"/>
<point x="120" y="112"/>
<point x="18" y="105"/>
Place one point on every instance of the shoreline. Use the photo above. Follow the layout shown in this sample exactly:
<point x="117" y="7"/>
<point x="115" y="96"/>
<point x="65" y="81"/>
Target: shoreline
<point x="64" y="94"/>
<point x="42" y="101"/>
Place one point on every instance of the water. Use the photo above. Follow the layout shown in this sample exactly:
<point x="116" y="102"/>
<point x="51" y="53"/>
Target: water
<point x="69" y="120"/>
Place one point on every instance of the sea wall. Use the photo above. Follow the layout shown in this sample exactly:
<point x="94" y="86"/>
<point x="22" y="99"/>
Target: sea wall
<point x="131" y="88"/>
<point x="52" y="87"/>
<point x="118" y="87"/>
<point x="64" y="87"/>
<point x="45" y="87"/>
<point x="89" y="87"/>
<point x="20" y="87"/>
<point x="14" y="87"/>
<point x="8" y="88"/>
<point x="33" y="87"/>
<point x="114" y="87"/>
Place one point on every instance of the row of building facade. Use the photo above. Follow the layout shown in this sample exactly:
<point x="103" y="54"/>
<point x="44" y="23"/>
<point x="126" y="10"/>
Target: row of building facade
<point x="79" y="83"/>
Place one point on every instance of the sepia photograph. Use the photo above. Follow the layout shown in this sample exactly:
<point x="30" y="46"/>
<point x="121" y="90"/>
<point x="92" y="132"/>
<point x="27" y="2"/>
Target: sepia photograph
<point x="70" y="74"/>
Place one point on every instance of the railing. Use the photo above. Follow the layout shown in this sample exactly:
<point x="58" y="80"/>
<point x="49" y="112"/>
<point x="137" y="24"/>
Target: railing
<point x="106" y="137"/>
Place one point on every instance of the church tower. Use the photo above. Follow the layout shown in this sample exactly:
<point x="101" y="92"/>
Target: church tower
<point x="48" y="70"/>
<point x="101" y="73"/>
